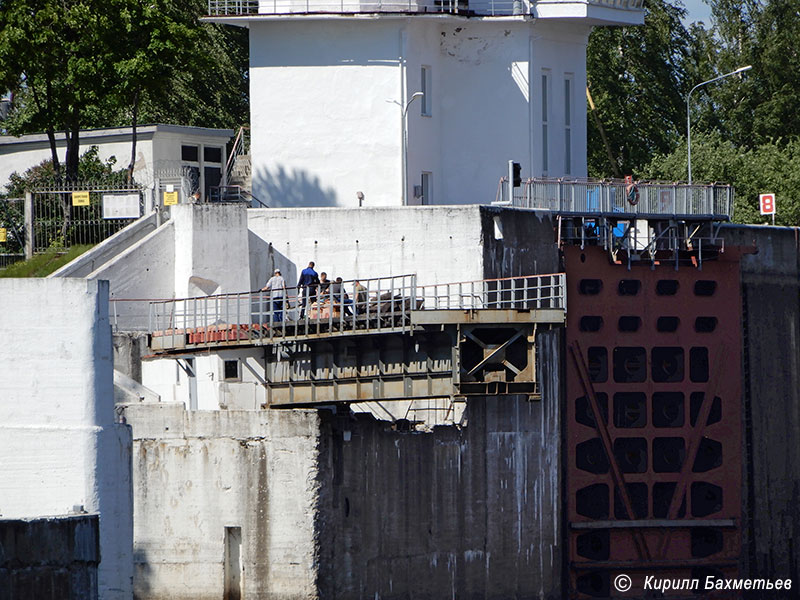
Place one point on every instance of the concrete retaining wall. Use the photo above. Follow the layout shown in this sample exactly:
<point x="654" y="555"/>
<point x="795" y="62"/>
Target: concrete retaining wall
<point x="198" y="473"/>
<point x="469" y="512"/>
<point x="771" y="327"/>
<point x="47" y="558"/>
<point x="59" y="444"/>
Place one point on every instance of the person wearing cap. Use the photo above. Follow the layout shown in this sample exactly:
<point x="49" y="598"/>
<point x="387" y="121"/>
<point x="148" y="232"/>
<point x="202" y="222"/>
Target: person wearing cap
<point x="276" y="287"/>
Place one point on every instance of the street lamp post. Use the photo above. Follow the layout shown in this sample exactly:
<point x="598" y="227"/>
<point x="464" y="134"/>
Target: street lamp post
<point x="689" y="115"/>
<point x="414" y="96"/>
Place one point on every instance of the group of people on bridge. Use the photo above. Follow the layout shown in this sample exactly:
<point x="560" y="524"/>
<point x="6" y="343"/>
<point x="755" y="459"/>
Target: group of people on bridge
<point x="316" y="293"/>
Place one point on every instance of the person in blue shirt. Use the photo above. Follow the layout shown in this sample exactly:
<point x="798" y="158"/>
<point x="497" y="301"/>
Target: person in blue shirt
<point x="307" y="287"/>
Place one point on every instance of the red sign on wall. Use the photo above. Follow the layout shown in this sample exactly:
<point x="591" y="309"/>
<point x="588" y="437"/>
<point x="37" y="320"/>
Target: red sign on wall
<point x="767" y="204"/>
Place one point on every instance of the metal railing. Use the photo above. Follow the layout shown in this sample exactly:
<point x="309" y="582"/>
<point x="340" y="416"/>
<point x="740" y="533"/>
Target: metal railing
<point x="61" y="221"/>
<point x="616" y="198"/>
<point x="375" y="305"/>
<point x="529" y="292"/>
<point x="240" y="147"/>
<point x="477" y="7"/>
<point x="234" y="193"/>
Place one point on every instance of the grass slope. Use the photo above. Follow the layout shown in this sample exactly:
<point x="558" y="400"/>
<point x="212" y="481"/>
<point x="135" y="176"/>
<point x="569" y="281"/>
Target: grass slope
<point x="42" y="265"/>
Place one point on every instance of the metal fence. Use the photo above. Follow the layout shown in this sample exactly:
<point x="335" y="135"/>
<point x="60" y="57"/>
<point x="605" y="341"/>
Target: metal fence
<point x="477" y="7"/>
<point x="9" y="259"/>
<point x="618" y="198"/>
<point x="529" y="292"/>
<point x="381" y="304"/>
<point x="60" y="219"/>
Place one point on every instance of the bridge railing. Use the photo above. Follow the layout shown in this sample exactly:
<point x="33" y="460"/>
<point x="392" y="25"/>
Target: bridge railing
<point x="521" y="293"/>
<point x="616" y="198"/>
<point x="382" y="304"/>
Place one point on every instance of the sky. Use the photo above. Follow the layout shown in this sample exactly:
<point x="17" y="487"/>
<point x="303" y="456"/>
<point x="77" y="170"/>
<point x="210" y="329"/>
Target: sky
<point x="698" y="11"/>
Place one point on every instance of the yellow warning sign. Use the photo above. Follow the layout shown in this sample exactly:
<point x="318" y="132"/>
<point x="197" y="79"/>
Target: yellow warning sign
<point x="170" y="198"/>
<point x="80" y="198"/>
<point x="3" y="235"/>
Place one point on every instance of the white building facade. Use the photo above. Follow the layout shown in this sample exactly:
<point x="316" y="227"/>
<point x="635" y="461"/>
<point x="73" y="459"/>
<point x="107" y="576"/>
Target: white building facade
<point x="337" y="118"/>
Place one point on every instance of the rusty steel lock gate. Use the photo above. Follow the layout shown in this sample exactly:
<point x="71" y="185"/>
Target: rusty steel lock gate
<point x="654" y="484"/>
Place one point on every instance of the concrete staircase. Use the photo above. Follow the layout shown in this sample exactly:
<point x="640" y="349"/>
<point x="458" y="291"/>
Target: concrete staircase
<point x="241" y="173"/>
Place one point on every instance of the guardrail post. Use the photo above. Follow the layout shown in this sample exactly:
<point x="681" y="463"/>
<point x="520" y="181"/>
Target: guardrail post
<point x="29" y="225"/>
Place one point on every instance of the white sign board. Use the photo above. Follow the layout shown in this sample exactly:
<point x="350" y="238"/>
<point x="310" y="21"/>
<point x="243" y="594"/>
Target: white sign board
<point x="121" y="206"/>
<point x="767" y="204"/>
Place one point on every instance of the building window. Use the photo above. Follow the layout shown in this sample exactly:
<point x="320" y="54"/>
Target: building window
<point x="568" y="125"/>
<point x="212" y="154"/>
<point x="190" y="153"/>
<point x="426" y="87"/>
<point x="427" y="189"/>
<point x="230" y="370"/>
<point x="545" y="80"/>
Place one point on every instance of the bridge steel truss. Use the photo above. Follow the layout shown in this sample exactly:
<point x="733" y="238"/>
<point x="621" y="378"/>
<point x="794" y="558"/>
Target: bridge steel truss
<point x="401" y="342"/>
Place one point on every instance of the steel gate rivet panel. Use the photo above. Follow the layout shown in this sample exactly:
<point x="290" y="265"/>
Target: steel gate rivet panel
<point x="657" y="353"/>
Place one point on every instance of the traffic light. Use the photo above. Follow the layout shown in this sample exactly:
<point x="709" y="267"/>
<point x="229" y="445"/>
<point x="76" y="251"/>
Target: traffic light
<point x="517" y="171"/>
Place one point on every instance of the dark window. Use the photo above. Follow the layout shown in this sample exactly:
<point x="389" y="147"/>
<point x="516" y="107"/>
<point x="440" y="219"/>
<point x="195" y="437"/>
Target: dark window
<point x="667" y="287"/>
<point x="698" y="364"/>
<point x="629" y="324"/>
<point x="591" y="456"/>
<point x="668" y="454"/>
<point x="591" y="323"/>
<point x="190" y="153"/>
<point x="592" y="501"/>
<point x="705" y="287"/>
<point x="629" y="287"/>
<point x="705" y="324"/>
<point x="594" y="584"/>
<point x="709" y="456"/>
<point x="213" y="177"/>
<point x="231" y="369"/>
<point x="667" y="364"/>
<point x="662" y="497"/>
<point x="598" y="364"/>
<point x="212" y="154"/>
<point x="667" y="324"/>
<point x="706" y="499"/>
<point x="583" y="409"/>
<point x="594" y="545"/>
<point x="590" y="287"/>
<point x="630" y="409"/>
<point x="668" y="409"/>
<point x="696" y="401"/>
<point x="705" y="541"/>
<point x="630" y="365"/>
<point x="637" y="493"/>
<point x="631" y="454"/>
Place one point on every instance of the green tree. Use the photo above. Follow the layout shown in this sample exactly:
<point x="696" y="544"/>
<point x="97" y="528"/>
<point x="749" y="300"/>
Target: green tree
<point x="637" y="77"/>
<point x="769" y="167"/>
<point x="93" y="63"/>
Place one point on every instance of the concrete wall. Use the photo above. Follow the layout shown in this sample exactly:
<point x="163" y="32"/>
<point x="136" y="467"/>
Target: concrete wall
<point x="469" y="512"/>
<point x="329" y="97"/>
<point x="440" y="244"/>
<point x="50" y="558"/>
<point x="197" y="473"/>
<point x="518" y="242"/>
<point x="211" y="249"/>
<point x="57" y="415"/>
<point x="771" y="321"/>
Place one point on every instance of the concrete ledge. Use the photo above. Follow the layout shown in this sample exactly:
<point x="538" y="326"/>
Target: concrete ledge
<point x="108" y="249"/>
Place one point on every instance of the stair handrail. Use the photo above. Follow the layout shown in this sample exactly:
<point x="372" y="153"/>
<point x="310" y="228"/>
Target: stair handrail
<point x="239" y="144"/>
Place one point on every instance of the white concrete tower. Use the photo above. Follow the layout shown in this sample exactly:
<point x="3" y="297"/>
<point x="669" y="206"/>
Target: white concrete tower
<point x="330" y="81"/>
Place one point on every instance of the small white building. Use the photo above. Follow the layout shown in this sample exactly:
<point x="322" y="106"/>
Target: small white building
<point x="338" y="119"/>
<point x="200" y="152"/>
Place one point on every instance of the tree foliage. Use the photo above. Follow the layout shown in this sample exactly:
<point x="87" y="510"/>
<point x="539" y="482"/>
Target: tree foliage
<point x="636" y="76"/>
<point x="90" y="63"/>
<point x="772" y="167"/>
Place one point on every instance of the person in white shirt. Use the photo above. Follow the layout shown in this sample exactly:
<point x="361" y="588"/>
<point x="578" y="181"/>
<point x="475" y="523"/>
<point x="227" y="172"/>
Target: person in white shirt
<point x="276" y="287"/>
